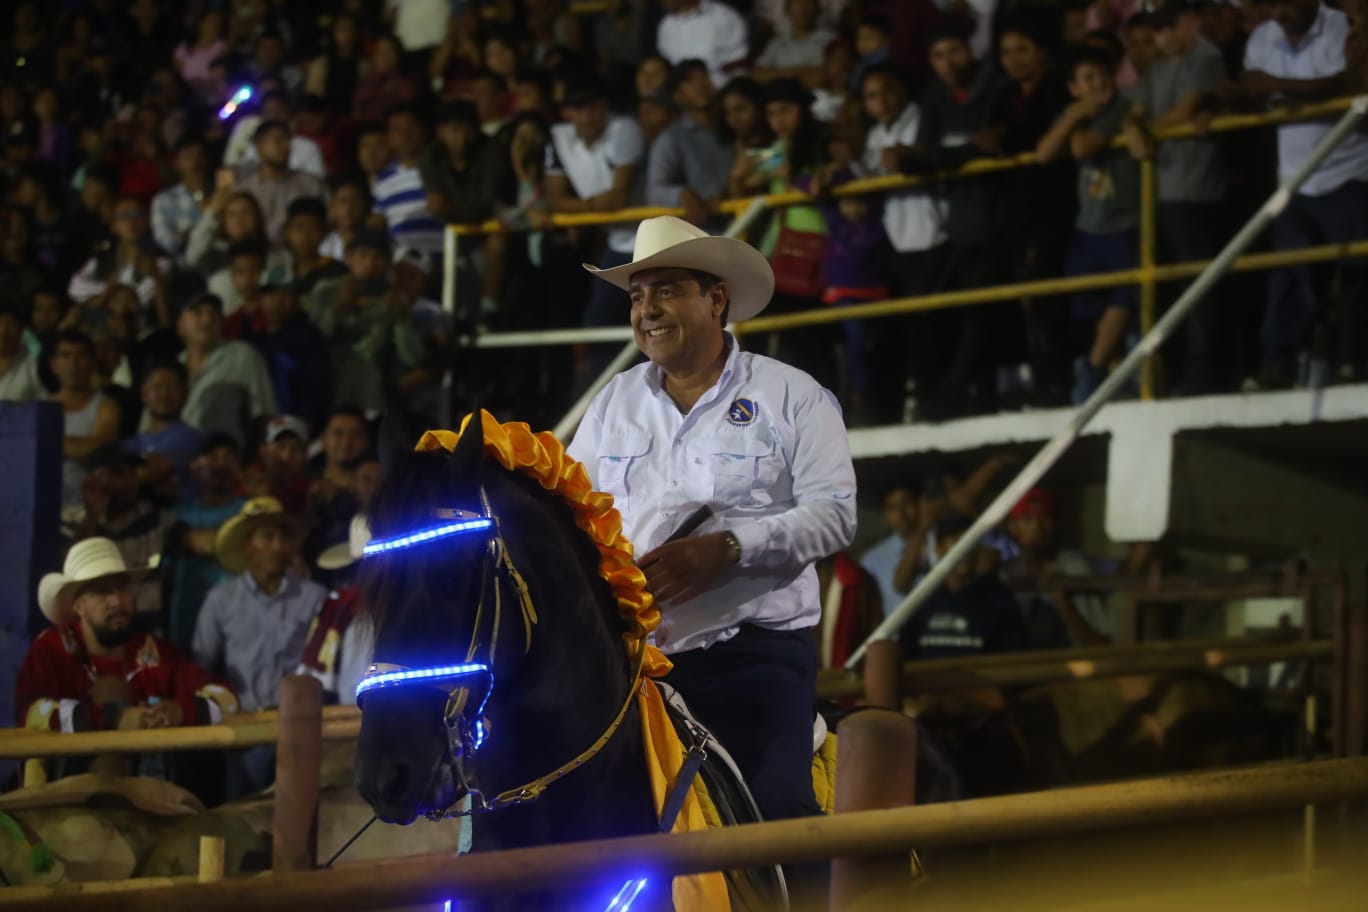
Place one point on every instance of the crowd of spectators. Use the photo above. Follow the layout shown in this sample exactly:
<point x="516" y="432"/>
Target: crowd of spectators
<point x="222" y="243"/>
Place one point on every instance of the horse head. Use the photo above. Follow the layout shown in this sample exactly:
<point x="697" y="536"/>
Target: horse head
<point x="493" y="629"/>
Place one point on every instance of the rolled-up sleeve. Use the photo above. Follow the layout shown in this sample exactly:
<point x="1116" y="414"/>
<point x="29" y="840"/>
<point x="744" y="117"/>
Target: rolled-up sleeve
<point x="822" y="520"/>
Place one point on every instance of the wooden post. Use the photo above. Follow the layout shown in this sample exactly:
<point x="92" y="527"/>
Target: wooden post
<point x="883" y="674"/>
<point x="211" y="859"/>
<point x="876" y="767"/>
<point x="299" y="759"/>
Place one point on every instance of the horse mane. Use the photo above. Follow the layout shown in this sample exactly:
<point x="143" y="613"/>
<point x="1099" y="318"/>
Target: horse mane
<point x="537" y="466"/>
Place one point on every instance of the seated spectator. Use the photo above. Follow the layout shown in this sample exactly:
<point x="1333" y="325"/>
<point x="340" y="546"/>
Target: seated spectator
<point x="745" y="126"/>
<point x="1142" y="49"/>
<point x="274" y="183"/>
<point x="95" y="670"/>
<point x="268" y="62"/>
<point x="384" y="85"/>
<point x="91" y="416"/>
<point x="242" y="153"/>
<point x="834" y="87"/>
<point x="1104" y="238"/>
<point x="133" y="259"/>
<point x="795" y="52"/>
<point x="1054" y="619"/>
<point x="193" y="56"/>
<point x="341" y="642"/>
<point x="347" y="210"/>
<point x="242" y="297"/>
<point x="881" y="559"/>
<point x="281" y="469"/>
<point x="493" y="104"/>
<point x="398" y="188"/>
<point x="253" y="624"/>
<point x="296" y="353"/>
<point x="60" y="243"/>
<point x="972" y="613"/>
<point x="372" y="152"/>
<point x="689" y="163"/>
<point x="19" y="381"/>
<point x="189" y="563"/>
<point x="334" y="497"/>
<point x="368" y="323"/>
<point x="315" y="122"/>
<point x="594" y="165"/>
<point x="231" y="218"/>
<point x="532" y="93"/>
<point x="1299" y="55"/>
<point x="334" y="74"/>
<point x="651" y="75"/>
<point x="874" y="45"/>
<point x="166" y="444"/>
<point x="230" y="385"/>
<point x="306" y="224"/>
<point x="464" y="172"/>
<point x="116" y="509"/>
<point x="620" y="39"/>
<point x="177" y="209"/>
<point x="654" y="114"/>
<point x="707" y="27"/>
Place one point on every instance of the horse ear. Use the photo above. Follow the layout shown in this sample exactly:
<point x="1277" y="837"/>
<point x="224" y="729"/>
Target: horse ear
<point x="396" y="439"/>
<point x="468" y="456"/>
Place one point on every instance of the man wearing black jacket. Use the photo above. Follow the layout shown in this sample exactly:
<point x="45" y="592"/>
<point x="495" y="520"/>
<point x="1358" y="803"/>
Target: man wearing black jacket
<point x="296" y="354"/>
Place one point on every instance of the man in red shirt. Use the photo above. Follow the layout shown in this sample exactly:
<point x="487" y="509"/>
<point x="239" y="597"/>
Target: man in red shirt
<point x="93" y="670"/>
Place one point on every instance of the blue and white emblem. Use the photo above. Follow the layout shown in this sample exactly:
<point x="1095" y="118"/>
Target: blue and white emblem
<point x="742" y="412"/>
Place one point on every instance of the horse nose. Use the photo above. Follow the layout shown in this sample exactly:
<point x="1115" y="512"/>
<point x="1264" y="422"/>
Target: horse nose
<point x="393" y="786"/>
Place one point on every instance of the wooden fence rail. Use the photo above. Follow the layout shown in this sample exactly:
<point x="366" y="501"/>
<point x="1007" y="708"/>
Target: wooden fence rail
<point x="433" y="879"/>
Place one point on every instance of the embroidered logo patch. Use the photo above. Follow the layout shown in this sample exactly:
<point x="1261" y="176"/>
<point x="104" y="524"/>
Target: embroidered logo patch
<point x="742" y="412"/>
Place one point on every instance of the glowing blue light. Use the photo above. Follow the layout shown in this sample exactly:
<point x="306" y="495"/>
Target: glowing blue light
<point x="422" y="536"/>
<point x="439" y="672"/>
<point x="447" y="906"/>
<point x="626" y="896"/>
<point x="238" y="100"/>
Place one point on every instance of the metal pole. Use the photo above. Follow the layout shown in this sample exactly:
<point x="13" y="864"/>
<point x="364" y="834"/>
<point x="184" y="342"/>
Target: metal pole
<point x="451" y="256"/>
<point x="566" y="426"/>
<point x="1148" y="287"/>
<point x="1050" y="453"/>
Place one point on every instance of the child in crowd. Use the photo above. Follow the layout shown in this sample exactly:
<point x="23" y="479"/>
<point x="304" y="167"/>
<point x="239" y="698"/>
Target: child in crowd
<point x="1104" y="238"/>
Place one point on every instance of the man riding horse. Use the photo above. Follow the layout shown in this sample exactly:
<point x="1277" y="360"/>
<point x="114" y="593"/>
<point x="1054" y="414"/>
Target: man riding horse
<point x="761" y="444"/>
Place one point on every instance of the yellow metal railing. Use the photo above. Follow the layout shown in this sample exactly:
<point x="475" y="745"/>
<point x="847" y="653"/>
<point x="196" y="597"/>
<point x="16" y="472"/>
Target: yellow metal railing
<point x="1148" y="275"/>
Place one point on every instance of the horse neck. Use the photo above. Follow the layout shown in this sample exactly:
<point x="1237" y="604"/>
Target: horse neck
<point x="569" y="689"/>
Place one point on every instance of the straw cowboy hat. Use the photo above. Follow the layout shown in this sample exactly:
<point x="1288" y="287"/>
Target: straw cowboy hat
<point x="667" y="242"/>
<point x="344" y="554"/>
<point x="230" y="546"/>
<point x="88" y="561"/>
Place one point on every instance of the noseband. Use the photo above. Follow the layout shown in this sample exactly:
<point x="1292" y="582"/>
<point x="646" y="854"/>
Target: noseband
<point x="468" y="685"/>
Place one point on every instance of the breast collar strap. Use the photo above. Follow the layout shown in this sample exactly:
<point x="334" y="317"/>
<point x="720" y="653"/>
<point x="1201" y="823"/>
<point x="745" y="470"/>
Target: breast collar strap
<point x="466" y="730"/>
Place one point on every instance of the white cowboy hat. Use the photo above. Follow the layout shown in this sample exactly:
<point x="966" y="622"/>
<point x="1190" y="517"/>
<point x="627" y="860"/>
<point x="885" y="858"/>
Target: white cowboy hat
<point x="87" y="561"/>
<point x="666" y="242"/>
<point x="344" y="554"/>
<point x="230" y="545"/>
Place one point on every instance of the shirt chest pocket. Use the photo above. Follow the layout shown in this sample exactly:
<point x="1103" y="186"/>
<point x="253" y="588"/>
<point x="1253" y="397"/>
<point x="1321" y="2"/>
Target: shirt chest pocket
<point x="619" y="465"/>
<point x="745" y="471"/>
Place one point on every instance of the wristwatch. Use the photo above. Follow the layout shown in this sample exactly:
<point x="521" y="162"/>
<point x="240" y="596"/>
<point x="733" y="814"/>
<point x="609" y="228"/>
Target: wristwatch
<point x="733" y="547"/>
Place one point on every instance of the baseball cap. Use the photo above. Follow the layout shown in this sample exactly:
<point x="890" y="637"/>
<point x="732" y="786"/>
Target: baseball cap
<point x="1035" y="502"/>
<point x="281" y="425"/>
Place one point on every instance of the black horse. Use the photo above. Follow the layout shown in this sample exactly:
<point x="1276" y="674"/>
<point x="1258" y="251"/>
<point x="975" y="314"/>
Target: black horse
<point x="561" y="677"/>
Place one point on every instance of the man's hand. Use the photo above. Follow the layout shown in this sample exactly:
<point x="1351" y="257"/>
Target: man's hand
<point x="680" y="570"/>
<point x="166" y="714"/>
<point x="133" y="717"/>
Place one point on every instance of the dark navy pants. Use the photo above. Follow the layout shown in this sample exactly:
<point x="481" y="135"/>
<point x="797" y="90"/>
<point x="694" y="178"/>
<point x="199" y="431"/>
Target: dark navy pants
<point x="757" y="693"/>
<point x="1335" y="218"/>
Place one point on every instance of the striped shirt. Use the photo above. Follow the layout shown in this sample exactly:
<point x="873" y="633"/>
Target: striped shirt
<point x="400" y="197"/>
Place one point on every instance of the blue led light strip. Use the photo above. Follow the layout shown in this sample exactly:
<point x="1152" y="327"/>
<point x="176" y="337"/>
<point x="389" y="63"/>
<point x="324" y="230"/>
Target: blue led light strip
<point x="422" y="536"/>
<point x="438" y="672"/>
<point x="626" y="896"/>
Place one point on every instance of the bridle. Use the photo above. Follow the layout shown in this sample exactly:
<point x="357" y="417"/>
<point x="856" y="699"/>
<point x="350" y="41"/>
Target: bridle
<point x="468" y="685"/>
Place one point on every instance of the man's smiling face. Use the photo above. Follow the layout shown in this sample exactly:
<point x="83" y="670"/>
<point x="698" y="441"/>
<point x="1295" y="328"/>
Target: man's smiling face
<point x="677" y="323"/>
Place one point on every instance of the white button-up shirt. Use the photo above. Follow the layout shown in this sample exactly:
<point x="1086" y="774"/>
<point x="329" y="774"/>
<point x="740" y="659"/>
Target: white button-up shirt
<point x="1320" y="54"/>
<point x="711" y="32"/>
<point x="766" y="449"/>
<point x="913" y="220"/>
<point x="591" y="169"/>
